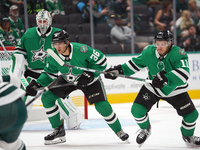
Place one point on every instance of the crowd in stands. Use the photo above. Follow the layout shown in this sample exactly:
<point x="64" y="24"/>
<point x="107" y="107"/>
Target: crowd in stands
<point x="111" y="19"/>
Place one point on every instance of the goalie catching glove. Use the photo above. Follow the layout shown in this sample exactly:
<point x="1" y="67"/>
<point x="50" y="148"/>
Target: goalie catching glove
<point x="111" y="72"/>
<point x="159" y="80"/>
<point x="85" y="78"/>
<point x="31" y="89"/>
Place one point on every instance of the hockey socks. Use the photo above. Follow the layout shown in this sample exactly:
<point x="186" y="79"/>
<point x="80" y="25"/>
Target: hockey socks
<point x="189" y="123"/>
<point x="140" y="115"/>
<point x="105" y="109"/>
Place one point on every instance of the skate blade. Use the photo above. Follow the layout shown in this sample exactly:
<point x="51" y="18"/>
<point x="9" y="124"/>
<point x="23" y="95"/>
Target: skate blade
<point x="140" y="145"/>
<point x="55" y="141"/>
<point x="127" y="141"/>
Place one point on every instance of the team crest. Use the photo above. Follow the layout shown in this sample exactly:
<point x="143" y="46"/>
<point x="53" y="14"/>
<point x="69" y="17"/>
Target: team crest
<point x="146" y="97"/>
<point x="83" y="49"/>
<point x="70" y="77"/>
<point x="160" y="65"/>
<point x="182" y="52"/>
<point x="39" y="54"/>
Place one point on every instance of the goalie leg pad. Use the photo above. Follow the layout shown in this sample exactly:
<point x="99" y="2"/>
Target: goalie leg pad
<point x="70" y="113"/>
<point x="19" y="65"/>
<point x="18" y="144"/>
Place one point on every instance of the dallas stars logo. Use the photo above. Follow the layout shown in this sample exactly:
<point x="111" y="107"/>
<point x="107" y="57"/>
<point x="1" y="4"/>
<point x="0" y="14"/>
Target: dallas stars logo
<point x="146" y="97"/>
<point x="39" y="54"/>
<point x="70" y="77"/>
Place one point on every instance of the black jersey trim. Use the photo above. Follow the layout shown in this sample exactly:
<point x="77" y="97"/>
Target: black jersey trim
<point x="52" y="111"/>
<point x="20" y="49"/>
<point x="182" y="74"/>
<point x="133" y="65"/>
<point x="103" y="62"/>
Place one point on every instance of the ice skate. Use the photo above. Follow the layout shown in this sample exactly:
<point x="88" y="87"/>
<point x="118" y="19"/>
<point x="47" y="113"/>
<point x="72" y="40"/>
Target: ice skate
<point x="191" y="141"/>
<point x="123" y="136"/>
<point x="58" y="135"/>
<point x="143" y="135"/>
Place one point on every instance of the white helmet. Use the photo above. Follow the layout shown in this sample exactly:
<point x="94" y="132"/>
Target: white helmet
<point x="44" y="20"/>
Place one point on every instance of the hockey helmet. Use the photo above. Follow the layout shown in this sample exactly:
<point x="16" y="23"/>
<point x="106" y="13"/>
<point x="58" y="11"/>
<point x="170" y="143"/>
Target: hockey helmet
<point x="60" y="36"/>
<point x="163" y="36"/>
<point x="44" y="20"/>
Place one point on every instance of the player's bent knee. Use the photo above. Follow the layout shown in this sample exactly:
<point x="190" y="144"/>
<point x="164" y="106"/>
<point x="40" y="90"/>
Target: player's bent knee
<point x="138" y="110"/>
<point x="191" y="117"/>
<point x="104" y="108"/>
<point x="18" y="144"/>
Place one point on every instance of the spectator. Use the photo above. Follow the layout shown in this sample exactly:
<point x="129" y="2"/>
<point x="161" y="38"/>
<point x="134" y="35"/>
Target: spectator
<point x="120" y="7"/>
<point x="34" y="6"/>
<point x="122" y="34"/>
<point x="151" y="7"/>
<point x="5" y="6"/>
<point x="16" y="22"/>
<point x="164" y="17"/>
<point x="184" y="21"/>
<point x="98" y="16"/>
<point x="80" y="5"/>
<point x="55" y="7"/>
<point x="20" y="5"/>
<point x="8" y="36"/>
<point x="193" y="9"/>
<point x="181" y="5"/>
<point x="192" y="41"/>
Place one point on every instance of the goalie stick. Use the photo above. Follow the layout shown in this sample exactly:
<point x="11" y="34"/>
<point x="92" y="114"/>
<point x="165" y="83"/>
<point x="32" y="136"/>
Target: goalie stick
<point x="62" y="63"/>
<point x="50" y="86"/>
<point x="22" y="79"/>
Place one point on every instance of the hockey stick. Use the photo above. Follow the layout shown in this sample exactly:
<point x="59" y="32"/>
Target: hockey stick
<point x="44" y="89"/>
<point x="62" y="63"/>
<point x="23" y="79"/>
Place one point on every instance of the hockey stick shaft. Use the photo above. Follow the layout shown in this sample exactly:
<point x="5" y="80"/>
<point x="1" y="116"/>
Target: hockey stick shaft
<point x="62" y="63"/>
<point x="44" y="89"/>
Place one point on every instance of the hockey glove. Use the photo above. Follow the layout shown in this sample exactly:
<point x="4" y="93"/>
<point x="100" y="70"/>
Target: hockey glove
<point x="159" y="80"/>
<point x="31" y="88"/>
<point x="112" y="71"/>
<point x="85" y="78"/>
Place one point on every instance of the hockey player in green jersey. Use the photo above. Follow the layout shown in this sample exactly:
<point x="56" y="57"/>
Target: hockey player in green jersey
<point x="13" y="113"/>
<point x="29" y="59"/>
<point x="89" y="83"/>
<point x="169" y="71"/>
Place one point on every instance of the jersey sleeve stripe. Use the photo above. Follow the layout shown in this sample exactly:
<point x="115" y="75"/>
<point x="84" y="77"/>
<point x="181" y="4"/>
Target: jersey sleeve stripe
<point x="132" y="66"/>
<point x="51" y="75"/>
<point x="102" y="61"/>
<point x="180" y="74"/>
<point x="20" y="50"/>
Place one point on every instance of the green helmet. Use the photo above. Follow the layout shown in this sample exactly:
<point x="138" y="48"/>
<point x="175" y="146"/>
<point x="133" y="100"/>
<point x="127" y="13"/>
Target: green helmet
<point x="44" y="20"/>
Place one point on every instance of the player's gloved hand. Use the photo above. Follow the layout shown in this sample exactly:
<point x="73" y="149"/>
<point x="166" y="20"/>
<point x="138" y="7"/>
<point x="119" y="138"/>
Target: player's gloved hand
<point x="31" y="88"/>
<point x="85" y="78"/>
<point x="112" y="71"/>
<point x="159" y="80"/>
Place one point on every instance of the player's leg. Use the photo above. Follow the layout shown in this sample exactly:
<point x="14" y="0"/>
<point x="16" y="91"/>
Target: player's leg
<point x="142" y="104"/>
<point x="185" y="108"/>
<point x="70" y="113"/>
<point x="14" y="116"/>
<point x="53" y="114"/>
<point x="95" y="93"/>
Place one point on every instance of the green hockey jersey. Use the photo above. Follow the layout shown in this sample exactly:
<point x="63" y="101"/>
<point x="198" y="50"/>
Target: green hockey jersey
<point x="18" y="26"/>
<point x="34" y="47"/>
<point x="9" y="38"/>
<point x="81" y="55"/>
<point x="55" y="7"/>
<point x="175" y="63"/>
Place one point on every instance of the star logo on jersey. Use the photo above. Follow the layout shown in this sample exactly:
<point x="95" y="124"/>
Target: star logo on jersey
<point x="146" y="97"/>
<point x="39" y="54"/>
<point x="70" y="77"/>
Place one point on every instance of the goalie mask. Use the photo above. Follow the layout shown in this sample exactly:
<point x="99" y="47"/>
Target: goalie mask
<point x="44" y="20"/>
<point x="163" y="36"/>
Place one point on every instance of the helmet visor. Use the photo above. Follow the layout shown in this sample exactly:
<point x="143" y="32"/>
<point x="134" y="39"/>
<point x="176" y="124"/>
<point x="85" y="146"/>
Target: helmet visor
<point x="161" y="43"/>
